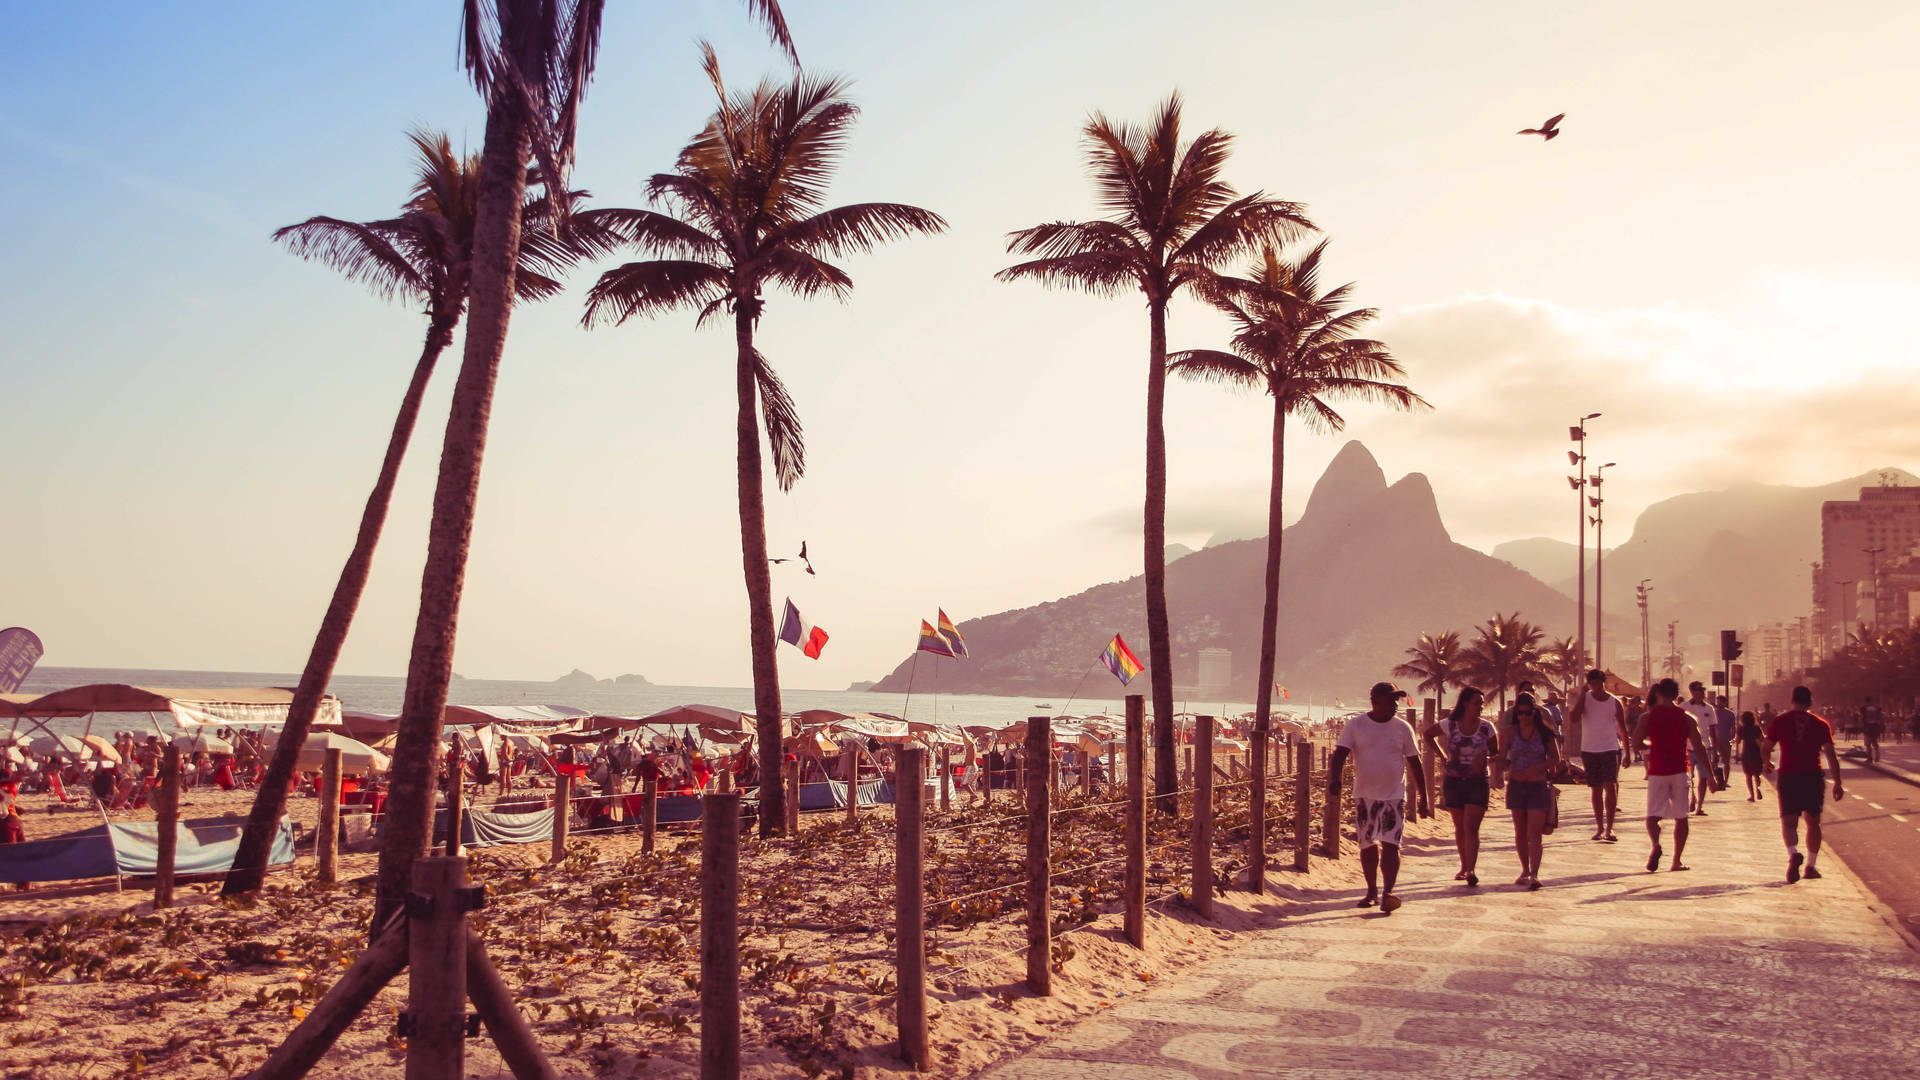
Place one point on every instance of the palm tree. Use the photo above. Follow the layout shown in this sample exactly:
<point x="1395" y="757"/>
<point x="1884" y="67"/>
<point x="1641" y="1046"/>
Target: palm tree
<point x="1505" y="651"/>
<point x="421" y="256"/>
<point x="1291" y="340"/>
<point x="1169" y="219"/>
<point x="531" y="61"/>
<point x="1565" y="663"/>
<point x="744" y="213"/>
<point x="1435" y="660"/>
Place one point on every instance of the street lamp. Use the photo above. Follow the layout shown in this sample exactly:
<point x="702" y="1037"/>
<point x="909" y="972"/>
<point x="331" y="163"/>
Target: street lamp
<point x="1642" y="591"/>
<point x="1599" y="564"/>
<point x="1578" y="481"/>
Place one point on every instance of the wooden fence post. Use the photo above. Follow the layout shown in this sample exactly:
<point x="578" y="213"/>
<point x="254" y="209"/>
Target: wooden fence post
<point x="456" y="792"/>
<point x="793" y="770"/>
<point x="1020" y="772"/>
<point x="1039" y="859"/>
<point x="167" y="826"/>
<point x="327" y="840"/>
<point x="1330" y="827"/>
<point x="1135" y="920"/>
<point x="946" y="779"/>
<point x="1202" y="756"/>
<point x="720" y="936"/>
<point x="562" y="811"/>
<point x="1086" y="774"/>
<point x="909" y="908"/>
<point x="850" y="767"/>
<point x="1257" y="811"/>
<point x="437" y="965"/>
<point x="1186" y="764"/>
<point x="1302" y="802"/>
<point x="1433" y="774"/>
<point x="649" y="811"/>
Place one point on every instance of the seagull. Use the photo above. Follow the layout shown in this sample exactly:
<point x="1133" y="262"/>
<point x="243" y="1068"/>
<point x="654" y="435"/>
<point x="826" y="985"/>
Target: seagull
<point x="1547" y="130"/>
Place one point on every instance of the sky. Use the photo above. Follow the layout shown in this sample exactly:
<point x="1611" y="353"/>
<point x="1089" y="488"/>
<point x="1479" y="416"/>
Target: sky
<point x="1716" y="255"/>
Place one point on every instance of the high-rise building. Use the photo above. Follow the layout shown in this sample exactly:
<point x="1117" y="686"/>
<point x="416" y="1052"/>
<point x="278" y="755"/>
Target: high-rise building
<point x="1860" y="540"/>
<point x="1216" y="672"/>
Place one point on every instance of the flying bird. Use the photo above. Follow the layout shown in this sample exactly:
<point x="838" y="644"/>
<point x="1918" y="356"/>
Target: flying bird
<point x="802" y="557"/>
<point x="1546" y="131"/>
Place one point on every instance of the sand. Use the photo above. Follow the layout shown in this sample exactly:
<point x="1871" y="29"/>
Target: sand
<point x="601" y="950"/>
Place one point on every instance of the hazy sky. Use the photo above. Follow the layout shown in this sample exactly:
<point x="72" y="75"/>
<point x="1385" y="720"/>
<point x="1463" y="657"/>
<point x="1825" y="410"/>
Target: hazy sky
<point x="1717" y="255"/>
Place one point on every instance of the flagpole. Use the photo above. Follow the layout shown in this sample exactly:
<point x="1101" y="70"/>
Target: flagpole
<point x="1081" y="683"/>
<point x="915" y="666"/>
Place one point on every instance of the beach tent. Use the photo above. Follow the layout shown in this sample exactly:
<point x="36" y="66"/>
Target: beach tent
<point x="197" y="741"/>
<point x="227" y="706"/>
<point x="126" y="848"/>
<point x="355" y="757"/>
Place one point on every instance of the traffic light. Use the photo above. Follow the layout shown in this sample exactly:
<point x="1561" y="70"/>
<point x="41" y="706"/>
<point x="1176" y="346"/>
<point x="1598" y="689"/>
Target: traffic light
<point x="1730" y="646"/>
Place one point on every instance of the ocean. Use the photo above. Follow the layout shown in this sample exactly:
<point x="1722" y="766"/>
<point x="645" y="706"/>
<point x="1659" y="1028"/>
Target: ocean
<point x="382" y="693"/>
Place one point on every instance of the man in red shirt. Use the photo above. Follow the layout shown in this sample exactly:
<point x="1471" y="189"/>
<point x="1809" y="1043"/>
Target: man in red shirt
<point x="1662" y="736"/>
<point x="1801" y="735"/>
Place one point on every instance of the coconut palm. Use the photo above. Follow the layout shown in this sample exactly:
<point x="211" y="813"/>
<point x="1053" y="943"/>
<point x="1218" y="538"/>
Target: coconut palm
<point x="421" y="256"/>
<point x="743" y="212"/>
<point x="1565" y="663"/>
<point x="531" y="61"/>
<point x="1505" y="651"/>
<point x="1434" y="661"/>
<point x="1292" y="341"/>
<point x="1169" y="219"/>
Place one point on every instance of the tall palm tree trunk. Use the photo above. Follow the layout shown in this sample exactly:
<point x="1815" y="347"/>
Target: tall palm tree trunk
<point x="1269" y="623"/>
<point x="270" y="801"/>
<point x="408" y="825"/>
<point x="1159" y="641"/>
<point x="759" y="574"/>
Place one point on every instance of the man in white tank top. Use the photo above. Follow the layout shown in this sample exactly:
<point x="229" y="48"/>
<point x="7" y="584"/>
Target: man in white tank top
<point x="1602" y="722"/>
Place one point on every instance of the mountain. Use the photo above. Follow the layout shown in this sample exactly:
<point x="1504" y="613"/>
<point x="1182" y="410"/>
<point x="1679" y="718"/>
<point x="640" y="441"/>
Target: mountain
<point x="1725" y="559"/>
<point x="1367" y="568"/>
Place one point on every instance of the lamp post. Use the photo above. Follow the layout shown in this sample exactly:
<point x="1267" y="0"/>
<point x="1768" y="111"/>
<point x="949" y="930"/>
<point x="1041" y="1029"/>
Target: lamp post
<point x="1873" y="554"/>
<point x="1642" y="591"/>
<point x="1578" y="481"/>
<point x="1597" y="500"/>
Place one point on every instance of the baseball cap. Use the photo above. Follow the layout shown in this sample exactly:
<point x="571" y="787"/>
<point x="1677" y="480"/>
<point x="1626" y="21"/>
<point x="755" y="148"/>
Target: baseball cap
<point x="1386" y="689"/>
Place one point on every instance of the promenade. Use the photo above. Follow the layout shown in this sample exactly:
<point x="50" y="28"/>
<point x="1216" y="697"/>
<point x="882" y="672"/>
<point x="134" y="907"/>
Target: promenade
<point x="1607" y="972"/>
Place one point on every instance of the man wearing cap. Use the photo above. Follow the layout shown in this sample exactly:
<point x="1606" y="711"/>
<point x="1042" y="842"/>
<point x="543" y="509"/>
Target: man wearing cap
<point x="1384" y="751"/>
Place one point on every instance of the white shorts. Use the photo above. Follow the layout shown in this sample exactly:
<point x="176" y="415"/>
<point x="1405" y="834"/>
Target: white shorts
<point x="1379" y="821"/>
<point x="1668" y="796"/>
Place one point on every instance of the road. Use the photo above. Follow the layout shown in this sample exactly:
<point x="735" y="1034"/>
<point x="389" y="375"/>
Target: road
<point x="1876" y="831"/>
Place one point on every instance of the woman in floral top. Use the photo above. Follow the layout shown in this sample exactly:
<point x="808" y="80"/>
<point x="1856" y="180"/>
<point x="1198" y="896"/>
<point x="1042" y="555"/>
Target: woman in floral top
<point x="1465" y="742"/>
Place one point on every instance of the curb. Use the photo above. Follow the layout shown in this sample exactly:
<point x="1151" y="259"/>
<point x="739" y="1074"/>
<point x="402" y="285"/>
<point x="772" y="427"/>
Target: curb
<point x="1903" y="775"/>
<point x="1874" y="903"/>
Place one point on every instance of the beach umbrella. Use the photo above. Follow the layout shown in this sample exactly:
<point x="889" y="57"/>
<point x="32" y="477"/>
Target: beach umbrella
<point x="212" y="744"/>
<point x="714" y="717"/>
<point x="101" y="748"/>
<point x="355" y="756"/>
<point x="59" y="745"/>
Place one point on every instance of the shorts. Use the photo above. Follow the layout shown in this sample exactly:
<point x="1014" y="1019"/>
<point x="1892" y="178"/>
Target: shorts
<point x="1802" y="793"/>
<point x="1602" y="768"/>
<point x="1457" y="792"/>
<point x="1379" y="821"/>
<point x="1529" y="795"/>
<point x="1668" y="796"/>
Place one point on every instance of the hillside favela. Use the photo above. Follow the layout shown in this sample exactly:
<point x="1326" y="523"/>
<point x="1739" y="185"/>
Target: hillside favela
<point x="768" y="539"/>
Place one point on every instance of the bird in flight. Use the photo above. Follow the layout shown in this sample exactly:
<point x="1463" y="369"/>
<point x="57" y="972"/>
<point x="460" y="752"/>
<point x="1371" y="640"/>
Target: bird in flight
<point x="1547" y="130"/>
<point x="802" y="557"/>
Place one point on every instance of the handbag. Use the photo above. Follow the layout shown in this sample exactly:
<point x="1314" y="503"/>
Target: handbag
<point x="1553" y="811"/>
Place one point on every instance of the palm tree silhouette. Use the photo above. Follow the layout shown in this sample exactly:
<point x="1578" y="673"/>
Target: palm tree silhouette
<point x="422" y="256"/>
<point x="1291" y="340"/>
<point x="531" y="61"/>
<point x="1505" y="651"/>
<point x="1435" y="661"/>
<point x="746" y="213"/>
<point x="1566" y="664"/>
<point x="1169" y="219"/>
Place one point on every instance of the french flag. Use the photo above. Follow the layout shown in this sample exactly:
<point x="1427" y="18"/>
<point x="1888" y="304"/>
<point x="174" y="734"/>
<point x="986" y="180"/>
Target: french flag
<point x="795" y="630"/>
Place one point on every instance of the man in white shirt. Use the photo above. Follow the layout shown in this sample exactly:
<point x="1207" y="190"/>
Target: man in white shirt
<point x="1698" y="707"/>
<point x="1384" y="751"/>
<point x="1602" y="720"/>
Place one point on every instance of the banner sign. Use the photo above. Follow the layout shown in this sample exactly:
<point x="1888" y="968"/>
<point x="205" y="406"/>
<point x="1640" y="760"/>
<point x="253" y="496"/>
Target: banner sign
<point x="20" y="649"/>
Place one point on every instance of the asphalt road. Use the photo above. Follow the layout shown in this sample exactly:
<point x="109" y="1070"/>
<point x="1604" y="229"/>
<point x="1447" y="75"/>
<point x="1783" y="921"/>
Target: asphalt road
<point x="1876" y="829"/>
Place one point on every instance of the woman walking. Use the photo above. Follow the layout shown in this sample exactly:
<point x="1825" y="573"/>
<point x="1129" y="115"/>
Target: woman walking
<point x="1752" y="761"/>
<point x="1528" y="751"/>
<point x="1465" y="743"/>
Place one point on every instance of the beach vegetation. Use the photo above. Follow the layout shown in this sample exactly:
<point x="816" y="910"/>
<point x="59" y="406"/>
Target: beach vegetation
<point x="1505" y="652"/>
<point x="1168" y="217"/>
<point x="1434" y="663"/>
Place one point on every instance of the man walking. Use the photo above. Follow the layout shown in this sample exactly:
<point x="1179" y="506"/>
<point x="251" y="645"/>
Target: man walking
<point x="1696" y="706"/>
<point x="1663" y="736"/>
<point x="1801" y="736"/>
<point x="1384" y="751"/>
<point x="1873" y="723"/>
<point x="1724" y="721"/>
<point x="1601" y="720"/>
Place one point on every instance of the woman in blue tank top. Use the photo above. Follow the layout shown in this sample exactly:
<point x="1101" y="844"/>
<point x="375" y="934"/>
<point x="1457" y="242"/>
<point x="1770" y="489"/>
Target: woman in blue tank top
<point x="1528" y="752"/>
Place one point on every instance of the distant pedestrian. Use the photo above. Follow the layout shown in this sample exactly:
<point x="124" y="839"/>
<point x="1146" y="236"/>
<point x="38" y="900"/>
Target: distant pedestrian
<point x="1663" y="737"/>
<point x="1802" y="736"/>
<point x="1701" y="711"/>
<point x="1752" y="761"/>
<point x="1724" y="723"/>
<point x="1873" y="723"/>
<point x="1384" y="751"/>
<point x="1466" y="743"/>
<point x="1528" y="752"/>
<point x="1602" y="719"/>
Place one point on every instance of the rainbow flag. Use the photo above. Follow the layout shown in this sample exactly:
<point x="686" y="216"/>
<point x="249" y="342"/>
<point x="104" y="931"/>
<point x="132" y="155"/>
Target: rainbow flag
<point x="1121" y="661"/>
<point x="931" y="641"/>
<point x="952" y="633"/>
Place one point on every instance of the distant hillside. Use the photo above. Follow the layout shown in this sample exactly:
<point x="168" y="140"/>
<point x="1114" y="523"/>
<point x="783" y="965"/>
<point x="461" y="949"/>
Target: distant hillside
<point x="1367" y="568"/>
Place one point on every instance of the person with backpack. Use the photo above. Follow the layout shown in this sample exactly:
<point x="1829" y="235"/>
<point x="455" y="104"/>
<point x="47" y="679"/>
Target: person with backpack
<point x="1465" y="743"/>
<point x="1529" y="751"/>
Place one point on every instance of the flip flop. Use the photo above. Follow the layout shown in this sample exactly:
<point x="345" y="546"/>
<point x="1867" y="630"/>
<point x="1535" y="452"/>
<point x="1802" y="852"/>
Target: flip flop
<point x="1389" y="904"/>
<point x="1678" y="866"/>
<point x="1366" y="901"/>
<point x="1653" y="860"/>
<point x="1793" y="867"/>
<point x="1612" y="839"/>
<point x="1812" y="874"/>
<point x="1533" y="884"/>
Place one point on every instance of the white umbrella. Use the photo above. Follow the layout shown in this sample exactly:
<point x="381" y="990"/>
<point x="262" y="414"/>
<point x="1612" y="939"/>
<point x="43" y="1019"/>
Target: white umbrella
<point x="56" y="745"/>
<point x="354" y="756"/>
<point x="101" y="748"/>
<point x="197" y="741"/>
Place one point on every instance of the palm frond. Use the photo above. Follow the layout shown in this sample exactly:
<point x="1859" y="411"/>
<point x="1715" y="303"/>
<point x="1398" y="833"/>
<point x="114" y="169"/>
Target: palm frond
<point x="806" y="275"/>
<point x="653" y="288"/>
<point x="1241" y="226"/>
<point x="1099" y="272"/>
<point x="1212" y="365"/>
<point x="1056" y="238"/>
<point x="860" y="227"/>
<point x="653" y="232"/>
<point x="531" y="285"/>
<point x="782" y="421"/>
<point x="1113" y="160"/>
<point x="361" y="252"/>
<point x="768" y="11"/>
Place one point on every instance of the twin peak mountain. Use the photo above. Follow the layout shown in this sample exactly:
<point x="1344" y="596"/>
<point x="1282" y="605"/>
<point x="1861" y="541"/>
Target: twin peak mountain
<point x="1366" y="569"/>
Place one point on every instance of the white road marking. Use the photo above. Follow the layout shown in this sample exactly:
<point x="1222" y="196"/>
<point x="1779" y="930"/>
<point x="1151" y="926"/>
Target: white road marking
<point x="1876" y="806"/>
<point x="1898" y="817"/>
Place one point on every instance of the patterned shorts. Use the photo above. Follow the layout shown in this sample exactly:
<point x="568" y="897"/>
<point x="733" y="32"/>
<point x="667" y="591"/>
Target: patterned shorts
<point x="1380" y="822"/>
